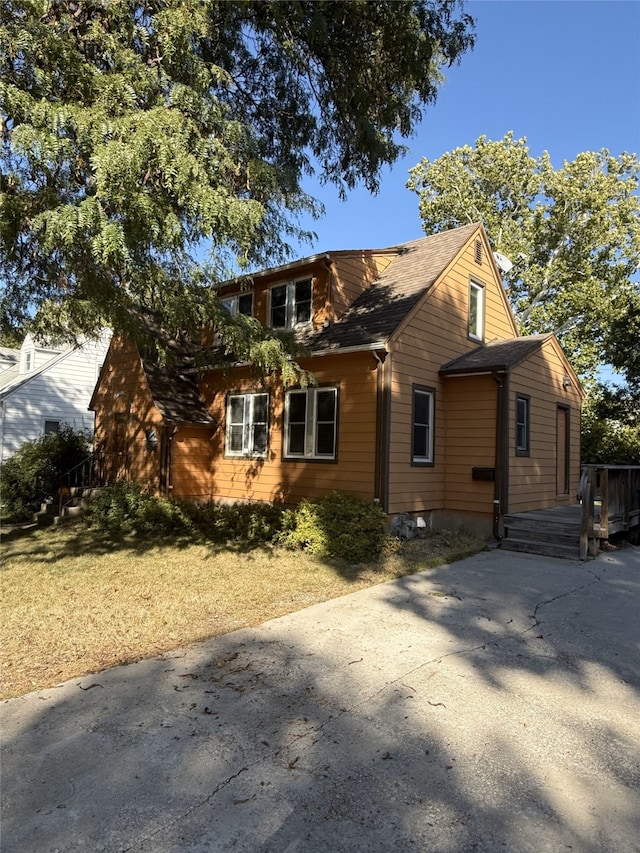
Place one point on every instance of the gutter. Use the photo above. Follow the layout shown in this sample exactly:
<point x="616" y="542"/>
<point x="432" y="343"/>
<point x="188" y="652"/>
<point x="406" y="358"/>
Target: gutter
<point x="500" y="496"/>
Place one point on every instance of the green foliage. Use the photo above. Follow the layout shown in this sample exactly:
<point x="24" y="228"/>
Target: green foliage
<point x="610" y="432"/>
<point x="339" y="526"/>
<point x="136" y="134"/>
<point x="34" y="471"/>
<point x="126" y="508"/>
<point x="573" y="235"/>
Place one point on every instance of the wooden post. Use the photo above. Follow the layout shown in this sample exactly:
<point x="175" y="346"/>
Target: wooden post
<point x="584" y="526"/>
<point x="604" y="503"/>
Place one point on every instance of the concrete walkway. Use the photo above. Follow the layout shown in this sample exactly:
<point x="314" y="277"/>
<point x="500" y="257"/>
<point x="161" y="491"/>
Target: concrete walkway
<point x="489" y="705"/>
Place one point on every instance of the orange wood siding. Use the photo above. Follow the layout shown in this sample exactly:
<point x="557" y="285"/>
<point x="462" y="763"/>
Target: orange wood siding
<point x="435" y="334"/>
<point x="275" y="478"/>
<point x="470" y="442"/>
<point x="352" y="274"/>
<point x="191" y="458"/>
<point x="532" y="479"/>
<point x="123" y="390"/>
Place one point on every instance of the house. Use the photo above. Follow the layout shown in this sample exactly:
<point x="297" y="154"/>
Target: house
<point x="45" y="386"/>
<point x="427" y="400"/>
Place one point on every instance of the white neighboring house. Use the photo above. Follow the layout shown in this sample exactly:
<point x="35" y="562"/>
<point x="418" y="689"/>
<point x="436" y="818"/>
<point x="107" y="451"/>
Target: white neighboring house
<point x="43" y="388"/>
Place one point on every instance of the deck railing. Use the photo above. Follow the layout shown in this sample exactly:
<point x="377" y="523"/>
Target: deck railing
<point x="610" y="497"/>
<point x="98" y="469"/>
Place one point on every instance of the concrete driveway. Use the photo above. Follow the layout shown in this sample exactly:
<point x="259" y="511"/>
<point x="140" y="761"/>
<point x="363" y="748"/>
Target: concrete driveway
<point x="489" y="705"/>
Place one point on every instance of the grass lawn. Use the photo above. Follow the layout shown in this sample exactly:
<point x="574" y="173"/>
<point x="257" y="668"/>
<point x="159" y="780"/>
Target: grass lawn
<point x="75" y="602"/>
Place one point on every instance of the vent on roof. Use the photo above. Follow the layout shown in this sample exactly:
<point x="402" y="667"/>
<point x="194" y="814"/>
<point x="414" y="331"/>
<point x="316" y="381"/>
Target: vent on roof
<point x="478" y="252"/>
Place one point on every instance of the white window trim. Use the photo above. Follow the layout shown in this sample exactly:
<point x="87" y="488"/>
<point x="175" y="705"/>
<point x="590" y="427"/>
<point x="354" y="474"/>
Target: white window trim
<point x="311" y="424"/>
<point x="475" y="287"/>
<point x="418" y="459"/>
<point x="248" y="422"/>
<point x="290" y="306"/>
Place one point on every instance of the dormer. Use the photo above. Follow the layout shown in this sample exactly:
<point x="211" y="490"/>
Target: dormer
<point x="34" y="354"/>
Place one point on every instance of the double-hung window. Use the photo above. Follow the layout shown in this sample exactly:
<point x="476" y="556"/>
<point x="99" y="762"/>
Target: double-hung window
<point x="291" y="304"/>
<point x="476" y="311"/>
<point x="522" y="425"/>
<point x="422" y="438"/>
<point x="310" y="423"/>
<point x="247" y="424"/>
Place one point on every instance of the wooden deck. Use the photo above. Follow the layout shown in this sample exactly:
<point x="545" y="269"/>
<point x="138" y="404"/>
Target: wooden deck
<point x="553" y="532"/>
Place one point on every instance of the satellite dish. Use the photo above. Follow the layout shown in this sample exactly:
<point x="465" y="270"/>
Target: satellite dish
<point x="503" y="262"/>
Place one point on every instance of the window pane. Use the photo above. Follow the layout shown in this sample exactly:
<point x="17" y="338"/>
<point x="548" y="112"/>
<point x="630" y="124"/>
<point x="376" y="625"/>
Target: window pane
<point x="260" y="407"/>
<point x="297" y="406"/>
<point x="230" y="304"/>
<point x="303" y="301"/>
<point x="260" y="438"/>
<point x="279" y="306"/>
<point x="296" y="439"/>
<point x="421" y="408"/>
<point x="326" y="405"/>
<point x="236" y="409"/>
<point x="235" y="438"/>
<point x="245" y="304"/>
<point x="420" y="441"/>
<point x="325" y="439"/>
<point x="51" y="426"/>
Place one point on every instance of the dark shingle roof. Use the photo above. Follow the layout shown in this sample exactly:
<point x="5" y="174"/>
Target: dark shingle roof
<point x="177" y="396"/>
<point x="497" y="355"/>
<point x="377" y="312"/>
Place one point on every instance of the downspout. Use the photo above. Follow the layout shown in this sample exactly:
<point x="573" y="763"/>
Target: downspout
<point x="500" y="492"/>
<point x="380" y="473"/>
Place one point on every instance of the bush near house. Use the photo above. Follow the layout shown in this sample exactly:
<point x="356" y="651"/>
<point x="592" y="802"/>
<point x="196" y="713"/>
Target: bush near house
<point x="337" y="526"/>
<point x="34" y="471"/>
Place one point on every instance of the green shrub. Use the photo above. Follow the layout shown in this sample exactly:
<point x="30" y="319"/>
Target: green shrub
<point x="339" y="525"/>
<point x="34" y="471"/>
<point x="126" y="508"/>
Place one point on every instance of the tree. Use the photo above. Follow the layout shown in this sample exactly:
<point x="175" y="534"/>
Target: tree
<point x="572" y="234"/>
<point x="135" y="133"/>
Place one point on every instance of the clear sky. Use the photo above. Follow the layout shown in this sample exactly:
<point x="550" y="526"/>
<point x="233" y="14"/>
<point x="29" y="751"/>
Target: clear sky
<point x="565" y="74"/>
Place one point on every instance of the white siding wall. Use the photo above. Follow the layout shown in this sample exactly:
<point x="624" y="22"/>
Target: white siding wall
<point x="59" y="392"/>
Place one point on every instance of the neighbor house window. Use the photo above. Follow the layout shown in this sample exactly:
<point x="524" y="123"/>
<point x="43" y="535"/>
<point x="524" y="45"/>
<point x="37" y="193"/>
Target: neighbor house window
<point x="422" y="444"/>
<point x="310" y="423"/>
<point x="522" y="424"/>
<point x="291" y="304"/>
<point x="476" y="311"/>
<point x="239" y="303"/>
<point x="247" y="424"/>
<point x="51" y="426"/>
<point x="28" y="361"/>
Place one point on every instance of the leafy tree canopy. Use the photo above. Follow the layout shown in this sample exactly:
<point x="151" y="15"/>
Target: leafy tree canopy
<point x="135" y="132"/>
<point x="572" y="234"/>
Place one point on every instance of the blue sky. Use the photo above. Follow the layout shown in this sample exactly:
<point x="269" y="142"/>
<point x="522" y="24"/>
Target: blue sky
<point x="565" y="74"/>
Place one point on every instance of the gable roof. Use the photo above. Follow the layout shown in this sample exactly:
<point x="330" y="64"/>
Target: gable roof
<point x="379" y="310"/>
<point x="176" y="396"/>
<point x="11" y="379"/>
<point x="500" y="356"/>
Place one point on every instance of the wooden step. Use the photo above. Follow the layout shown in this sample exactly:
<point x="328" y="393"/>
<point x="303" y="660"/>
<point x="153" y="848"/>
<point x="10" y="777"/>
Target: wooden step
<point x="545" y="549"/>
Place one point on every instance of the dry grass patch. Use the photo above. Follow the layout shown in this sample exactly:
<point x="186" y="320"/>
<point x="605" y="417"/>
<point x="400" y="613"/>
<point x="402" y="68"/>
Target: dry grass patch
<point x="74" y="602"/>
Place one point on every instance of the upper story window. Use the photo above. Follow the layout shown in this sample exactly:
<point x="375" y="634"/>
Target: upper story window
<point x="422" y="444"/>
<point x="310" y="423"/>
<point x="27" y="361"/>
<point x="522" y="425"/>
<point x="291" y="304"/>
<point x="476" y="311"/>
<point x="239" y="303"/>
<point x="247" y="430"/>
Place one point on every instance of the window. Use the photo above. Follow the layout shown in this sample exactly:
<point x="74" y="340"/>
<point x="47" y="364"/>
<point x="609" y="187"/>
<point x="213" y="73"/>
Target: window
<point x="310" y="423"/>
<point x="291" y="304"/>
<point x="51" y="426"/>
<point x="28" y="361"/>
<point x="247" y="424"/>
<point x="422" y="445"/>
<point x="522" y="425"/>
<point x="239" y="303"/>
<point x="476" y="311"/>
